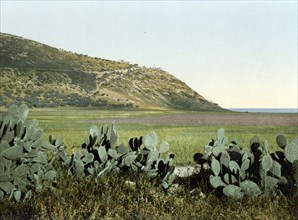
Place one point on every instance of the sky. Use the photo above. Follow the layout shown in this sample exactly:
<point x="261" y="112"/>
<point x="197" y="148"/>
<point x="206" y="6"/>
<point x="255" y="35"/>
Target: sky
<point x="239" y="54"/>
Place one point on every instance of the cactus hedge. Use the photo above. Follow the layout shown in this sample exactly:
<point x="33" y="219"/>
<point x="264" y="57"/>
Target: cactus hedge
<point x="100" y="155"/>
<point x="28" y="164"/>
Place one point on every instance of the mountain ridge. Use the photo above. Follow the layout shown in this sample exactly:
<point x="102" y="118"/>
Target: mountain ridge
<point x="43" y="76"/>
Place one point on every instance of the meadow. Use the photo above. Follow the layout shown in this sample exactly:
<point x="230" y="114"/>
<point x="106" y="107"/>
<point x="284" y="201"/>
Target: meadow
<point x="113" y="197"/>
<point x="184" y="138"/>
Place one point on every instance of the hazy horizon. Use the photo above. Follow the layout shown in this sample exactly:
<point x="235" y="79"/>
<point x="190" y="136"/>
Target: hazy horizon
<point x="238" y="54"/>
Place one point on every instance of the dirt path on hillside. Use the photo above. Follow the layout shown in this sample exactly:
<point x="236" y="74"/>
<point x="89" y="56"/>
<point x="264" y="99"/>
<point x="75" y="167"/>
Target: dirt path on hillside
<point x="259" y="119"/>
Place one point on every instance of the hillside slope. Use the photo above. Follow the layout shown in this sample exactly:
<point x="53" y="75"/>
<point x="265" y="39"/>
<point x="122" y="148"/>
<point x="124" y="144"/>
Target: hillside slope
<point x="43" y="76"/>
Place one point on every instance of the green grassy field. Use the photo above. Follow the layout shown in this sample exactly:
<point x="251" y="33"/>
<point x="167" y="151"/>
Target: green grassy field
<point x="185" y="140"/>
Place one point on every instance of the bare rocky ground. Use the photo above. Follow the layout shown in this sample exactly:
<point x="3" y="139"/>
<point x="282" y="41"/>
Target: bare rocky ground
<point x="185" y="171"/>
<point x="253" y="119"/>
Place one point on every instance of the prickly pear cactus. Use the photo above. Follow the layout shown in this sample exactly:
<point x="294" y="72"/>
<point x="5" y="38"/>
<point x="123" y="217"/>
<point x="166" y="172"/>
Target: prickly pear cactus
<point x="281" y="141"/>
<point x="236" y="172"/>
<point x="144" y="155"/>
<point x="230" y="166"/>
<point x="25" y="159"/>
<point x="291" y="151"/>
<point x="269" y="183"/>
<point x="97" y="156"/>
<point x="295" y="177"/>
<point x="100" y="155"/>
<point x="288" y="161"/>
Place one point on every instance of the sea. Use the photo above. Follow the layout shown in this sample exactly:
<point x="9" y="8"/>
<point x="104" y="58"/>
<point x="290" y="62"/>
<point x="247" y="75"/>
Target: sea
<point x="265" y="110"/>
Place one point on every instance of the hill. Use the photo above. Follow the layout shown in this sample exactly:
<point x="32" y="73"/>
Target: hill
<point x="42" y="76"/>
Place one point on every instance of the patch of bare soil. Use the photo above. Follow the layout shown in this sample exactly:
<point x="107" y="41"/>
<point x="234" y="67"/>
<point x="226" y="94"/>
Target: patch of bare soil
<point x="259" y="119"/>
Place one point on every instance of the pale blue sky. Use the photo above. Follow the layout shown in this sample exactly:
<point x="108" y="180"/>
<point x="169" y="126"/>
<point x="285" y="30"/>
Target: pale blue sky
<point x="235" y="53"/>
